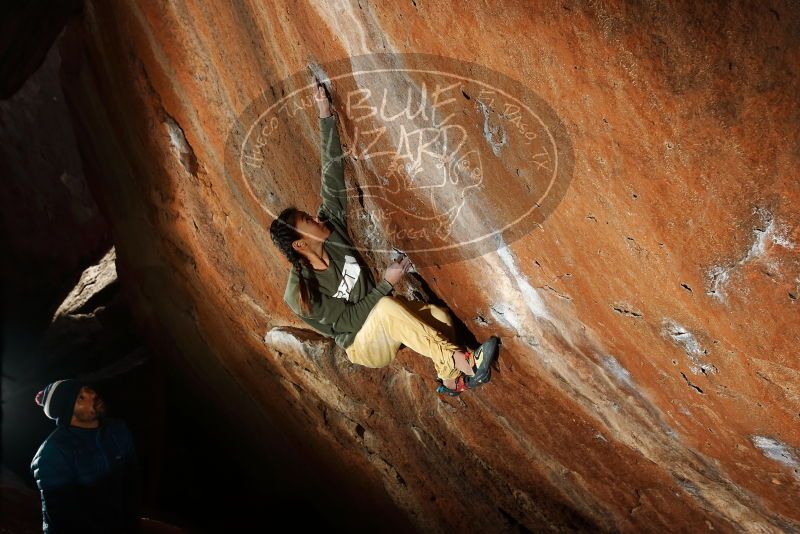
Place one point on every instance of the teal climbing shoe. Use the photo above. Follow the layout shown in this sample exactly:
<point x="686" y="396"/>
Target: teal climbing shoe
<point x="461" y="385"/>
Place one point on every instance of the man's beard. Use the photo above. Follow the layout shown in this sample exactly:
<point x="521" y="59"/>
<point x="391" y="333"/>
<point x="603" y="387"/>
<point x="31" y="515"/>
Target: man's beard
<point x="99" y="409"/>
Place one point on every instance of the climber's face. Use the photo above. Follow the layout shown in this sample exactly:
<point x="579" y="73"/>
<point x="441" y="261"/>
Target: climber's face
<point x="310" y="228"/>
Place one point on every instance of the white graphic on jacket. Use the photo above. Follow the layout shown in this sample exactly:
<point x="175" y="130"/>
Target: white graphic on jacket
<point x="349" y="277"/>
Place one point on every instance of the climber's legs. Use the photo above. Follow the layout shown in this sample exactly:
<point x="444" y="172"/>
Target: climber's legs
<point x="439" y="318"/>
<point x="394" y="322"/>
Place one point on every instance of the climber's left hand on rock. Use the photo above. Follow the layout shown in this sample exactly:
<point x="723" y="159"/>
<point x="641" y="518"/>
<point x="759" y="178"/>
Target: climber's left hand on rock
<point x="323" y="104"/>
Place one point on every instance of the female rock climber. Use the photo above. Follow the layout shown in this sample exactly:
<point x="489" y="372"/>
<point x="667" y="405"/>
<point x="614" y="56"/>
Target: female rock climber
<point x="333" y="291"/>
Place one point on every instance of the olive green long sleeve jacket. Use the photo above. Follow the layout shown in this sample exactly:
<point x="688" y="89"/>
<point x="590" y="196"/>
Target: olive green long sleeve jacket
<point x="346" y="291"/>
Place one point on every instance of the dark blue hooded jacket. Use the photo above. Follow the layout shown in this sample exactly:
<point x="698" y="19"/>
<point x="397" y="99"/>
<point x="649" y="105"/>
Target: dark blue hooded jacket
<point x="88" y="479"/>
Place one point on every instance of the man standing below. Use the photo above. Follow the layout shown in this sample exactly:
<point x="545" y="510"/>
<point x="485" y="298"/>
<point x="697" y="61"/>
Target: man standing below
<point x="86" y="469"/>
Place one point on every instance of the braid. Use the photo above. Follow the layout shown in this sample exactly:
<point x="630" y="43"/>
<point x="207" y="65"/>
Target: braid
<point x="283" y="234"/>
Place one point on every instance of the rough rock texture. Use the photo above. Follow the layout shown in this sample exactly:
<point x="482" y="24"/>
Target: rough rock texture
<point x="51" y="227"/>
<point x="28" y="30"/>
<point x="649" y="373"/>
<point x="93" y="280"/>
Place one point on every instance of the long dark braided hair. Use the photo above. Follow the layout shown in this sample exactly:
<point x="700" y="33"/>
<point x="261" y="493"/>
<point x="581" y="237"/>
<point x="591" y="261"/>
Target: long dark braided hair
<point x="283" y="234"/>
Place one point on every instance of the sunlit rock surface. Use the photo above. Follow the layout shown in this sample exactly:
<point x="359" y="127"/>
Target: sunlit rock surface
<point x="93" y="280"/>
<point x="648" y="378"/>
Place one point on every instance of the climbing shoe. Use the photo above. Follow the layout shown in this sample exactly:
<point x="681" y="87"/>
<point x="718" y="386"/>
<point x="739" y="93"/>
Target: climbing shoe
<point x="461" y="385"/>
<point x="484" y="356"/>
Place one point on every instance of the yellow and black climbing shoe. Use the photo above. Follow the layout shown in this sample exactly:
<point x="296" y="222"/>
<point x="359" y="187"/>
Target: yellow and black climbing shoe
<point x="484" y="356"/>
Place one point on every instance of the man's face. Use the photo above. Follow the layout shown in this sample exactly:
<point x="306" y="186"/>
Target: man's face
<point x="89" y="407"/>
<point x="311" y="228"/>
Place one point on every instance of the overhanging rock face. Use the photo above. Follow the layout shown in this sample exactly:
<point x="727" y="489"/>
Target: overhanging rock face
<point x="430" y="456"/>
<point x="644" y="283"/>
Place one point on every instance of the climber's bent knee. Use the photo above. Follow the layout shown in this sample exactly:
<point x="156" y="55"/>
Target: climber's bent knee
<point x="373" y="346"/>
<point x="386" y="304"/>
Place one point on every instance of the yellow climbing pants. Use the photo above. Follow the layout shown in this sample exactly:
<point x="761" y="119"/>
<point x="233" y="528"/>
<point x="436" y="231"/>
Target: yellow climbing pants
<point x="424" y="328"/>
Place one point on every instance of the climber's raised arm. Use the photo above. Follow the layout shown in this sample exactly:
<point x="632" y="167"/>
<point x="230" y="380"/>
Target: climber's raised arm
<point x="333" y="190"/>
